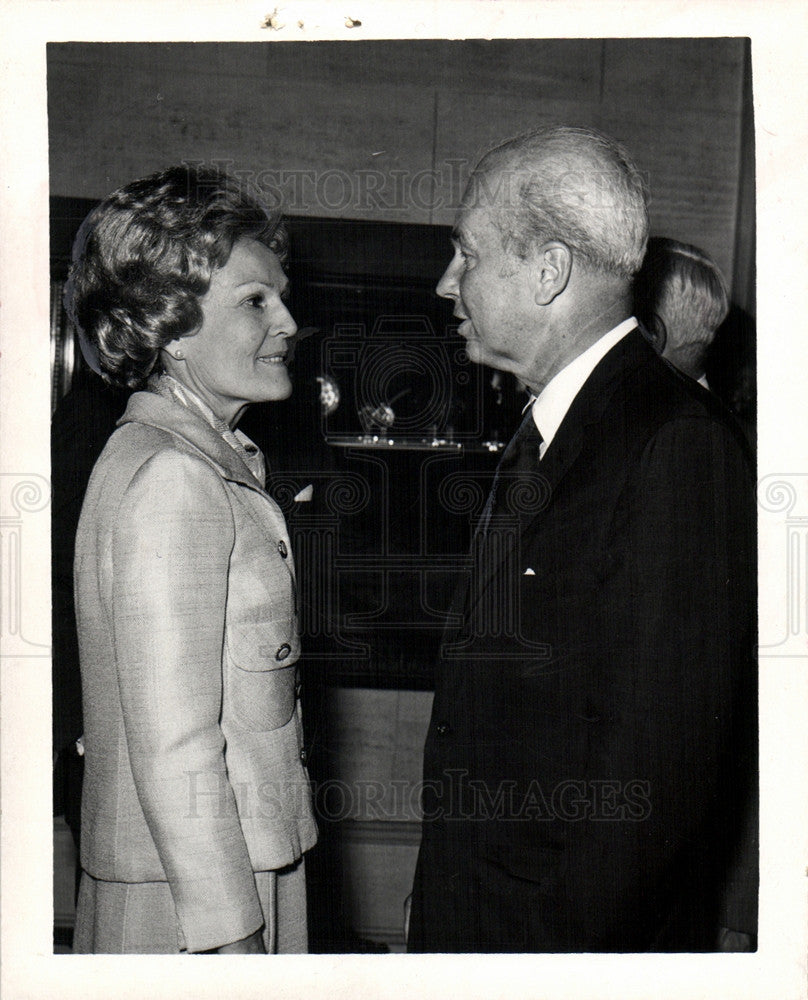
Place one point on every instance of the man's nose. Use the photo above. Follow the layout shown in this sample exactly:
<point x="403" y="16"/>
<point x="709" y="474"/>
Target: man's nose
<point x="447" y="286"/>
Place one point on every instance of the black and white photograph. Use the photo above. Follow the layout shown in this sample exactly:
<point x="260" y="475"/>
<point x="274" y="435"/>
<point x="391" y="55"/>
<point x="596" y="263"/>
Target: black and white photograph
<point x="408" y="566"/>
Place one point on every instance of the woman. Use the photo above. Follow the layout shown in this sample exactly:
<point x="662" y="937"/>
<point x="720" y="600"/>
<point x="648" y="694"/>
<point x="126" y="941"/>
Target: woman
<point x="196" y="807"/>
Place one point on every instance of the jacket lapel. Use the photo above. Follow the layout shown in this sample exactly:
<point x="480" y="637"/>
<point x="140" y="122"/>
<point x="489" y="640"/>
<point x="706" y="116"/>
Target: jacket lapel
<point x="591" y="403"/>
<point x="586" y="409"/>
<point x="198" y="436"/>
<point x="165" y="414"/>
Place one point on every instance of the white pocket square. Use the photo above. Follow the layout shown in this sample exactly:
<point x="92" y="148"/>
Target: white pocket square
<point x="305" y="494"/>
<point x="529" y="572"/>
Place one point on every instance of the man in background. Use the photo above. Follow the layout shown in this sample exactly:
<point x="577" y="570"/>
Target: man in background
<point x="591" y="753"/>
<point x="681" y="298"/>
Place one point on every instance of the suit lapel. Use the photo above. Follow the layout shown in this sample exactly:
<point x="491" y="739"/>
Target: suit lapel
<point x="590" y="405"/>
<point x="586" y="409"/>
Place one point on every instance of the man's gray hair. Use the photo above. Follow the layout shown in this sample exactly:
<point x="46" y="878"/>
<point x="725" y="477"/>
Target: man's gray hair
<point x="570" y="184"/>
<point x="684" y="286"/>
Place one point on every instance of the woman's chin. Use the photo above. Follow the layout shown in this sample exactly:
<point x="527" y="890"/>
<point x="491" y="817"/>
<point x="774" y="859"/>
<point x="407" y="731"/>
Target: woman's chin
<point x="281" y="391"/>
<point x="276" y="385"/>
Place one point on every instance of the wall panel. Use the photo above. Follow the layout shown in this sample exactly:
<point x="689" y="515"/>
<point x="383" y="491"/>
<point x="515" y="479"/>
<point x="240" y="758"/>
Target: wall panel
<point x="692" y="170"/>
<point x="364" y="123"/>
<point x="684" y="73"/>
<point x="148" y="114"/>
<point x="466" y="128"/>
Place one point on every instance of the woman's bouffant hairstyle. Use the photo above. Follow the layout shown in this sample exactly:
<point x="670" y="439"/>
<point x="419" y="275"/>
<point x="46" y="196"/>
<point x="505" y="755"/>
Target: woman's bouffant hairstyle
<point x="144" y="257"/>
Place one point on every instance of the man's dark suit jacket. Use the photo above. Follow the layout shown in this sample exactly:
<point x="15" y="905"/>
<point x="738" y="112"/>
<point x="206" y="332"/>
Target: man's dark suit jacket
<point x="592" y="750"/>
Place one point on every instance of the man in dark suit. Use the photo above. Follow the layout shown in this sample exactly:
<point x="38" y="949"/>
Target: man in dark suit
<point x="589" y="763"/>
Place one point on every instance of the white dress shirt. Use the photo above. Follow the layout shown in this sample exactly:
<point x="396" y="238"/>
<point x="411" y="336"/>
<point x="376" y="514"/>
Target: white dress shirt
<point x="551" y="405"/>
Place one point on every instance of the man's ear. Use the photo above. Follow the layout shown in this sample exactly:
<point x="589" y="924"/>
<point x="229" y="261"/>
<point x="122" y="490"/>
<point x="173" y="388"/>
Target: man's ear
<point x="553" y="268"/>
<point x="657" y="332"/>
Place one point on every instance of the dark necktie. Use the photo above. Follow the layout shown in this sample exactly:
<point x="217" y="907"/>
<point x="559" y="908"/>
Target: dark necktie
<point x="521" y="456"/>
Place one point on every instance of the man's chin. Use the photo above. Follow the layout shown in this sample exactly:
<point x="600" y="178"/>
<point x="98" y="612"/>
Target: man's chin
<point x="476" y="353"/>
<point x="480" y="356"/>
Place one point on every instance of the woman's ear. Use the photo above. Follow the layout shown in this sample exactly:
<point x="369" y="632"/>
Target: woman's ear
<point x="176" y="349"/>
<point x="553" y="268"/>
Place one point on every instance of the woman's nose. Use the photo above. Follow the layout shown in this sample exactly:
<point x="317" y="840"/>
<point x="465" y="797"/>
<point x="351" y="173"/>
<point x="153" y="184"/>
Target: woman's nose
<point x="285" y="323"/>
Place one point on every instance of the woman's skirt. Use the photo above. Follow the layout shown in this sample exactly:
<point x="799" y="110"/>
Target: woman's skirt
<point x="139" y="918"/>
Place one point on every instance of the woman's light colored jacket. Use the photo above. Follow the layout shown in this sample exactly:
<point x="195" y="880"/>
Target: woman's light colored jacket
<point x="185" y="596"/>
